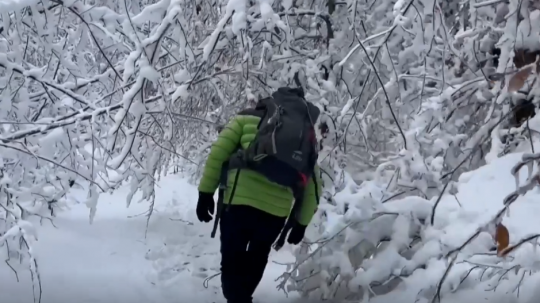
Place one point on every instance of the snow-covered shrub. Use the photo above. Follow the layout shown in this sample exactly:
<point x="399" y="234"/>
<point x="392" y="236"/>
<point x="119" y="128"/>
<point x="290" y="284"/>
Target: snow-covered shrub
<point x="440" y="107"/>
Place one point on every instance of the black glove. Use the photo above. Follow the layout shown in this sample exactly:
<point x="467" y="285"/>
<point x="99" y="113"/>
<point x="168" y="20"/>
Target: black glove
<point x="205" y="207"/>
<point x="297" y="233"/>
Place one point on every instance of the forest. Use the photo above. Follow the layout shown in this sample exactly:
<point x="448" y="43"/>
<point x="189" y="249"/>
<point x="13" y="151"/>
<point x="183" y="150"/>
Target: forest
<point x="414" y="95"/>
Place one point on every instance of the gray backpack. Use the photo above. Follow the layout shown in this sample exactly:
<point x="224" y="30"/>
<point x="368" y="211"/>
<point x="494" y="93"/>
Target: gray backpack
<point x="285" y="147"/>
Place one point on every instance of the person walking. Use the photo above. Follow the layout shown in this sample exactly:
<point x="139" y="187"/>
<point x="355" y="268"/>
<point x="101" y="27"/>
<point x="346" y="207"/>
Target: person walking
<point x="265" y="164"/>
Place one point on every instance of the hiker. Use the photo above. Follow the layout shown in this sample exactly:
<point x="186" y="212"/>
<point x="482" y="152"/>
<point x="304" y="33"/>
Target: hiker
<point x="262" y="161"/>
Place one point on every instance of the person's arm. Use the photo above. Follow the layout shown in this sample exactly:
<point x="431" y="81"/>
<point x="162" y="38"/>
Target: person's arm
<point x="226" y="144"/>
<point x="309" y="207"/>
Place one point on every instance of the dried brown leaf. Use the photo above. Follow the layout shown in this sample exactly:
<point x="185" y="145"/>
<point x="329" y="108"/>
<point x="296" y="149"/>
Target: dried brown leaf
<point x="502" y="237"/>
<point x="524" y="57"/>
<point x="518" y="79"/>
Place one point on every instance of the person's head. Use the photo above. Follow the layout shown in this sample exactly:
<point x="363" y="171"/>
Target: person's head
<point x="299" y="91"/>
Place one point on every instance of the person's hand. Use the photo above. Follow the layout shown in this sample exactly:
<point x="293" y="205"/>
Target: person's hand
<point x="205" y="207"/>
<point x="297" y="234"/>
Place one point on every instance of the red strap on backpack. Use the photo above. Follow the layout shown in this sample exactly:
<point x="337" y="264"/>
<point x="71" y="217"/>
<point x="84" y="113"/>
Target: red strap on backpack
<point x="304" y="179"/>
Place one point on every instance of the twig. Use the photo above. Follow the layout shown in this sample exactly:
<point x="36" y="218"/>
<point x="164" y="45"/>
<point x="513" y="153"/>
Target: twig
<point x="207" y="280"/>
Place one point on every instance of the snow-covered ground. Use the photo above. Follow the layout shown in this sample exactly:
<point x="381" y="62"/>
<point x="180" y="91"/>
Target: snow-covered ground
<point x="112" y="261"/>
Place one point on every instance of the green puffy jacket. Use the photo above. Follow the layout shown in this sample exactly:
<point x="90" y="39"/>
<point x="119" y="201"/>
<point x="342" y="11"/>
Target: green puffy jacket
<point x="252" y="188"/>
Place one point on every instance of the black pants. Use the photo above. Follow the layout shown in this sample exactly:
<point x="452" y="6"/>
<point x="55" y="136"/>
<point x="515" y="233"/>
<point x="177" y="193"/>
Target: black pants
<point x="247" y="235"/>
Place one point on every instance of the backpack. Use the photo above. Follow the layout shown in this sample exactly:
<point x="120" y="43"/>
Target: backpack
<point x="284" y="149"/>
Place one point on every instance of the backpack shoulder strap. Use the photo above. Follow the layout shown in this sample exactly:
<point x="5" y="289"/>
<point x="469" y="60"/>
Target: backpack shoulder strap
<point x="317" y="194"/>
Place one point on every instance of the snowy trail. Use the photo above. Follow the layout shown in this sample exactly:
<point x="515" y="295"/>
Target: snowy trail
<point x="111" y="261"/>
<point x="80" y="262"/>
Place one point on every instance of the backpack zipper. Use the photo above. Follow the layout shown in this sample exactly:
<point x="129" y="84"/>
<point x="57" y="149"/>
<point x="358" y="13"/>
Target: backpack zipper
<point x="300" y="139"/>
<point x="277" y="114"/>
<point x="274" y="148"/>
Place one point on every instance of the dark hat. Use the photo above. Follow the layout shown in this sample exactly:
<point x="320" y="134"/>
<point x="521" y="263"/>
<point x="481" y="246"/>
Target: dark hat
<point x="295" y="91"/>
